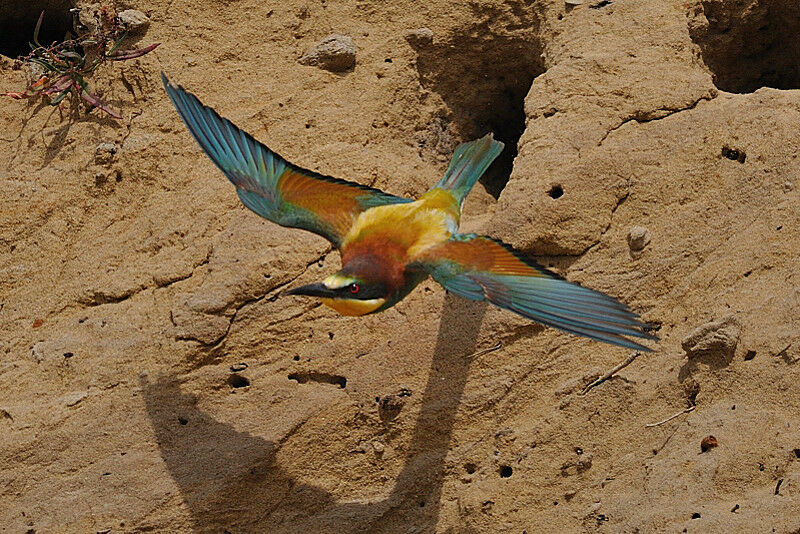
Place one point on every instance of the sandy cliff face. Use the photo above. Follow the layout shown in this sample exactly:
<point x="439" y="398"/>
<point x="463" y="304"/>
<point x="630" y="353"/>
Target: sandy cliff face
<point x="152" y="379"/>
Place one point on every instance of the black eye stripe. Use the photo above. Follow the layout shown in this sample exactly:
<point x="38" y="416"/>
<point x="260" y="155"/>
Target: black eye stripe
<point x="365" y="291"/>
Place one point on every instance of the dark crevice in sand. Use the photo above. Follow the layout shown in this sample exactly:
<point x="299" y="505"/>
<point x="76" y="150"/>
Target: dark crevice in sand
<point x="18" y="21"/>
<point x="749" y="45"/>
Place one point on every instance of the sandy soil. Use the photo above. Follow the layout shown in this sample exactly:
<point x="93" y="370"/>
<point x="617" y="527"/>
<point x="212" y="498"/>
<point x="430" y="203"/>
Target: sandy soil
<point x="152" y="380"/>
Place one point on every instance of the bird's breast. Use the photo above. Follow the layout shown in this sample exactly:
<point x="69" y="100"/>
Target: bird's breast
<point x="385" y="239"/>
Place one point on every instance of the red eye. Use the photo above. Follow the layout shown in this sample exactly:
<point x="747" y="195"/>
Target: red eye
<point x="354" y="288"/>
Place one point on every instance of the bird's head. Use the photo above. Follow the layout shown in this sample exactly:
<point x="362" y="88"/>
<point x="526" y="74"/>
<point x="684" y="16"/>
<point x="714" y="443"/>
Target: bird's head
<point x="347" y="293"/>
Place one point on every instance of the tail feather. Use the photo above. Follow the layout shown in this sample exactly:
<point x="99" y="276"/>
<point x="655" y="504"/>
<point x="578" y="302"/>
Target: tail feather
<point x="469" y="162"/>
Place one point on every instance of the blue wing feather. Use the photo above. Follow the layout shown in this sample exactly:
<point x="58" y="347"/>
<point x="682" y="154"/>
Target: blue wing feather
<point x="490" y="272"/>
<point x="257" y="172"/>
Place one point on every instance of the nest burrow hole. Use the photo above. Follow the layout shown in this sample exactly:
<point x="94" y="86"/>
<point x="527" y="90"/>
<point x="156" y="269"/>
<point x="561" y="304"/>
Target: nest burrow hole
<point x="18" y="22"/>
<point x="483" y="78"/>
<point x="749" y="45"/>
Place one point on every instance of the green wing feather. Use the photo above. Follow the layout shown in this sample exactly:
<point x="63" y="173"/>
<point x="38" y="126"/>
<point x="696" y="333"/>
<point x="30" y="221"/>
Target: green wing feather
<point x="480" y="268"/>
<point x="469" y="162"/>
<point x="268" y="184"/>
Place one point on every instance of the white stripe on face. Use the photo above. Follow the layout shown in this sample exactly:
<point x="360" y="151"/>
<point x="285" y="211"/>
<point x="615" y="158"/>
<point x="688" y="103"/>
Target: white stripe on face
<point x="338" y="281"/>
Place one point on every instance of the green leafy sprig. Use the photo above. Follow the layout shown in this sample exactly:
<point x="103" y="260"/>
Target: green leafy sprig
<point x="66" y="64"/>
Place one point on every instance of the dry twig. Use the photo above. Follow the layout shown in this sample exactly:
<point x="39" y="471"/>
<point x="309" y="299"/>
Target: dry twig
<point x="671" y="417"/>
<point x="611" y="373"/>
<point x="498" y="346"/>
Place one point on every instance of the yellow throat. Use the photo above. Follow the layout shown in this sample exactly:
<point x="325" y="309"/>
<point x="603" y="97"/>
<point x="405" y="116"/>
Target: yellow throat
<point x="349" y="306"/>
<point x="353" y="306"/>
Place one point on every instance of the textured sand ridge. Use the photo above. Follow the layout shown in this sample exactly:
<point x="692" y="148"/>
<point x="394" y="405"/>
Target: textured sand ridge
<point x="152" y="378"/>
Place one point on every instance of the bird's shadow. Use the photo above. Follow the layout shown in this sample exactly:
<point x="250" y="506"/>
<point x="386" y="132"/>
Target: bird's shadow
<point x="231" y="481"/>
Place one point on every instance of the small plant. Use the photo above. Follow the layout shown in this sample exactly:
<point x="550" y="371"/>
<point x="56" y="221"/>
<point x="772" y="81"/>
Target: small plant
<point x="64" y="65"/>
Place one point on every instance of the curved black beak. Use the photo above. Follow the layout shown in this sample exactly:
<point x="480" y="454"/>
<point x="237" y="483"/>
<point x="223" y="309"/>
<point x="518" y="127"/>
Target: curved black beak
<point x="313" y="290"/>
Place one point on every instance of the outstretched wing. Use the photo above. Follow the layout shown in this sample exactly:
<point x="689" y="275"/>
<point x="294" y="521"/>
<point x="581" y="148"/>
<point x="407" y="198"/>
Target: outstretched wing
<point x="481" y="268"/>
<point x="268" y="184"/>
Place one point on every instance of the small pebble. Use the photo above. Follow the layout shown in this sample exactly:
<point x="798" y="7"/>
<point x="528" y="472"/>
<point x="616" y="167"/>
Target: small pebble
<point x="638" y="238"/>
<point x="419" y="37"/>
<point x="133" y="20"/>
<point x="707" y="443"/>
<point x="238" y="367"/>
<point x="37" y="352"/>
<point x="335" y="53"/>
<point x="71" y="399"/>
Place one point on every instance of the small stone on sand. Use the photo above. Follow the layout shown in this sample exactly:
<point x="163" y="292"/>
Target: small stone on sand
<point x="75" y="397"/>
<point x="638" y="238"/>
<point x="419" y="37"/>
<point x="134" y="20"/>
<point x="335" y="53"/>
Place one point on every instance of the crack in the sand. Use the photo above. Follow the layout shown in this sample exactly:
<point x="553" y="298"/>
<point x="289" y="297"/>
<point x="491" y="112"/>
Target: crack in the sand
<point x="132" y="117"/>
<point x="642" y="117"/>
<point x="99" y="299"/>
<point x="639" y="117"/>
<point x="614" y="209"/>
<point x="274" y="291"/>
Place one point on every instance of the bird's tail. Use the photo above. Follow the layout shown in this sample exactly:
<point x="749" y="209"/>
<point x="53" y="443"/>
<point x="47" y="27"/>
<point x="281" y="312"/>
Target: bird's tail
<point x="469" y="163"/>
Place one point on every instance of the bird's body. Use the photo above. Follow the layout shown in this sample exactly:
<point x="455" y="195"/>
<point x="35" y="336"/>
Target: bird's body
<point x="389" y="244"/>
<point x="385" y="241"/>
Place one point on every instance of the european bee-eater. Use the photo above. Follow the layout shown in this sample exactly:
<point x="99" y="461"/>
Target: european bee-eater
<point x="389" y="244"/>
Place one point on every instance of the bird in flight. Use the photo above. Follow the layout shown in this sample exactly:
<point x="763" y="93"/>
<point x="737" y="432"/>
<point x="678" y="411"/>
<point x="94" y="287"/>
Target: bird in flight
<point x="389" y="244"/>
